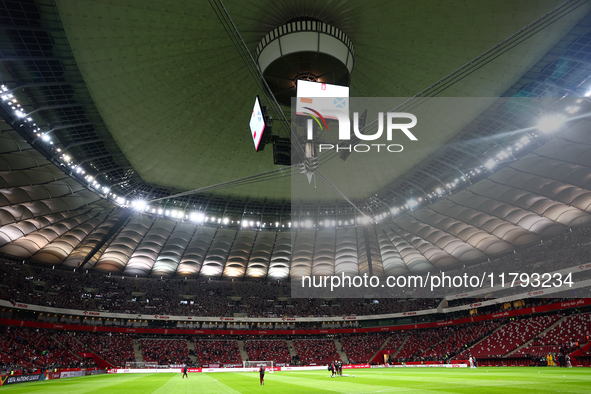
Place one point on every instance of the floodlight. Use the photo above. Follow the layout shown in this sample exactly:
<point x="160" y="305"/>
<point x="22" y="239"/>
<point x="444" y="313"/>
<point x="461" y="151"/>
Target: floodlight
<point x="551" y="123"/>
<point x="139" y="205"/>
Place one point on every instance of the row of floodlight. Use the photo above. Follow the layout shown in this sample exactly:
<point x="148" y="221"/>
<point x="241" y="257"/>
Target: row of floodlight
<point x="65" y="159"/>
<point x="546" y="125"/>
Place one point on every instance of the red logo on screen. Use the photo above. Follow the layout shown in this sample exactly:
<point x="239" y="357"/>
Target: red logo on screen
<point x="316" y="119"/>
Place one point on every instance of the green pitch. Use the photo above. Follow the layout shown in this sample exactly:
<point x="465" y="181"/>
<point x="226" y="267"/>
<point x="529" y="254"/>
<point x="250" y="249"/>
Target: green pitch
<point x="400" y="380"/>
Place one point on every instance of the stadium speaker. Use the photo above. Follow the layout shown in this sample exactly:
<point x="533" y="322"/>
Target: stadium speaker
<point x="282" y="152"/>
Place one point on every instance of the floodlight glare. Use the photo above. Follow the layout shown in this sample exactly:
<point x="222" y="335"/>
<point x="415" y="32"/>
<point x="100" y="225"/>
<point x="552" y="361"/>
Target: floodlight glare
<point x="198" y="217"/>
<point x="551" y="123"/>
<point x="139" y="205"/>
<point x="490" y="164"/>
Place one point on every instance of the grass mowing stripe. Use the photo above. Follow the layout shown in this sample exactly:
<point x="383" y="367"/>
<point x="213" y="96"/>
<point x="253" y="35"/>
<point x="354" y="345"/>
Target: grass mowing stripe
<point x="148" y="385"/>
<point x="279" y="382"/>
<point x="197" y="383"/>
<point x="338" y="384"/>
<point x="76" y="385"/>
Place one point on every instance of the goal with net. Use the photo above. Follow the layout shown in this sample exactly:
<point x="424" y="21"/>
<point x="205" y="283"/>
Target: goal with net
<point x="255" y="364"/>
<point x="140" y="365"/>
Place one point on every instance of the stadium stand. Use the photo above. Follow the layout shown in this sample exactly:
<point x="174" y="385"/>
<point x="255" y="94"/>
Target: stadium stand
<point x="165" y="351"/>
<point x="361" y="348"/>
<point x="316" y="351"/>
<point x="492" y="341"/>
<point x="268" y="350"/>
<point x="69" y="341"/>
<point x="570" y="331"/>
<point x="221" y="352"/>
<point x="455" y="339"/>
<point x="417" y="342"/>
<point x="113" y="347"/>
<point x="109" y="293"/>
<point x="29" y="348"/>
<point x="510" y="336"/>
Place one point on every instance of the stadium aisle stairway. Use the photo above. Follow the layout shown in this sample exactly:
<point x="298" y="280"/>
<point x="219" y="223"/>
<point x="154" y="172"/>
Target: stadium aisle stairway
<point x="192" y="354"/>
<point x="137" y="351"/>
<point x="340" y="351"/>
<point x="292" y="351"/>
<point x="243" y="353"/>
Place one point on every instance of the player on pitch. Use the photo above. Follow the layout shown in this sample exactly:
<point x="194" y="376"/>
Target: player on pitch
<point x="185" y="369"/>
<point x="262" y="374"/>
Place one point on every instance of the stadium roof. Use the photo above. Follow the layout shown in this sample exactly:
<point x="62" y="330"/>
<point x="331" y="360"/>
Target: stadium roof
<point x="146" y="100"/>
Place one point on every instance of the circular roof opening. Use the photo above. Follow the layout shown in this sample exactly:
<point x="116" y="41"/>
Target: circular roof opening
<point x="305" y="49"/>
